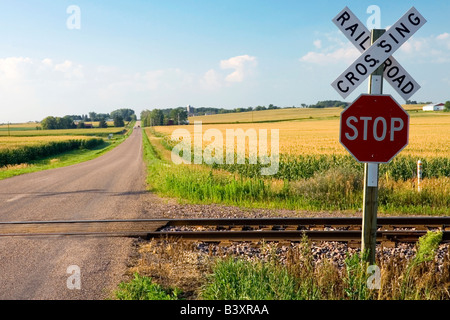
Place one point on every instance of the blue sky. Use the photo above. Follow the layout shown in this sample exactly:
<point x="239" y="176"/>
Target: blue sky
<point x="158" y="54"/>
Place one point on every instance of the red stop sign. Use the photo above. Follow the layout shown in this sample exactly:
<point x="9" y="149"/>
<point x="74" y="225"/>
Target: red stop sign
<point x="374" y="128"/>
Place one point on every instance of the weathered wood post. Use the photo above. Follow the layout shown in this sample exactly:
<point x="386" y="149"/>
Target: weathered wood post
<point x="369" y="227"/>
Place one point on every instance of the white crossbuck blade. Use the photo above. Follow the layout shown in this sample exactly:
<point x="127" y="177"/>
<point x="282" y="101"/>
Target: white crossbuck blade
<point x="377" y="54"/>
<point x="359" y="35"/>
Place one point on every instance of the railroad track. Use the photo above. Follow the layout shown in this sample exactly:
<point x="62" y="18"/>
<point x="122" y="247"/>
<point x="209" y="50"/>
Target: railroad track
<point x="395" y="229"/>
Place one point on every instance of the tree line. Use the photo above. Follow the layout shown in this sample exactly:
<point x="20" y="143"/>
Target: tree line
<point x="164" y="117"/>
<point x="118" y="116"/>
<point x="176" y="116"/>
<point x="327" y="104"/>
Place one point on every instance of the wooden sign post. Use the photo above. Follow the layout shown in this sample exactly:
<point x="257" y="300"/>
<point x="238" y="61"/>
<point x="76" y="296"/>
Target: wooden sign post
<point x="375" y="127"/>
<point x="369" y="227"/>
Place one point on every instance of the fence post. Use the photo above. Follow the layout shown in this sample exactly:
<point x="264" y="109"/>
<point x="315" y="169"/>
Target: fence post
<point x="419" y="175"/>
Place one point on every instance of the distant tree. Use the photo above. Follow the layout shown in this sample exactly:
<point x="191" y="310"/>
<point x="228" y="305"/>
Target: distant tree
<point x="92" y="116"/>
<point x="145" y="118"/>
<point x="118" y="121"/>
<point x="447" y="106"/>
<point x="101" y="116"/>
<point x="75" y="117"/>
<point x="156" y="118"/>
<point x="124" y="113"/>
<point x="165" y="120"/>
<point x="52" y="123"/>
<point x="102" y="124"/>
<point x="67" y="123"/>
<point x="49" y="123"/>
<point x="81" y="125"/>
<point x="178" y="115"/>
<point x="328" y="104"/>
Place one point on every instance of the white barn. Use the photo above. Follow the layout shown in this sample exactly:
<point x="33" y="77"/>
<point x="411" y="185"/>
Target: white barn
<point x="434" y="107"/>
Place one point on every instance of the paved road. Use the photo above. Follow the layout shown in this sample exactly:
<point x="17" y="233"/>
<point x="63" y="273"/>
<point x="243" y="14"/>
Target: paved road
<point x="109" y="187"/>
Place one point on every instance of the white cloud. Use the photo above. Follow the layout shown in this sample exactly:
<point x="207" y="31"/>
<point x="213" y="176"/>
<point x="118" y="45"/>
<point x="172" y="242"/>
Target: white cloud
<point x="36" y="88"/>
<point x="331" y="50"/>
<point x="70" y="70"/>
<point x="443" y="36"/>
<point x="211" y="80"/>
<point x="26" y="69"/>
<point x="444" y="39"/>
<point x="242" y="65"/>
<point x="317" y="44"/>
<point x="15" y="68"/>
<point x="432" y="49"/>
<point x="347" y="55"/>
<point x="414" y="45"/>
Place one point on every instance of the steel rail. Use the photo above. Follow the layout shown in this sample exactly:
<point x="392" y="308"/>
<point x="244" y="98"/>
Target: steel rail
<point x="256" y="221"/>
<point x="342" y="221"/>
<point x="315" y="235"/>
<point x="233" y="229"/>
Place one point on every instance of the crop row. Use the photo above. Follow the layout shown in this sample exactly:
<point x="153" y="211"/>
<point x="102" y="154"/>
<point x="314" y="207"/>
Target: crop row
<point x="306" y="183"/>
<point x="27" y="153"/>
<point x="293" y="168"/>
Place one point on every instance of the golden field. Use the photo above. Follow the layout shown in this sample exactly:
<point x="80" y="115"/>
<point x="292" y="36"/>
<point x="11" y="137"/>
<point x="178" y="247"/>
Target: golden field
<point x="319" y="134"/>
<point x="269" y="115"/>
<point x="281" y="115"/>
<point x="13" y="141"/>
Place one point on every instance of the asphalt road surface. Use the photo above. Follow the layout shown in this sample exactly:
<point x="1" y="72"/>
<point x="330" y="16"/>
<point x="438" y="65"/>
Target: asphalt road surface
<point x="108" y="187"/>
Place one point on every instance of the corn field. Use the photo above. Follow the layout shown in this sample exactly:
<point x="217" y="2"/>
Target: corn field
<point x="22" y="151"/>
<point x="314" y="172"/>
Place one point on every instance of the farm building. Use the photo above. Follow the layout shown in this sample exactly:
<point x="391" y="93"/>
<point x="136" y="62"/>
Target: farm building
<point x="190" y="110"/>
<point x="434" y="107"/>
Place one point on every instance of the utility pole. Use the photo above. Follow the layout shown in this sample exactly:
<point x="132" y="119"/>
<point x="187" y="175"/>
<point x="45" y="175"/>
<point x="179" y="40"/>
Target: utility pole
<point x="369" y="228"/>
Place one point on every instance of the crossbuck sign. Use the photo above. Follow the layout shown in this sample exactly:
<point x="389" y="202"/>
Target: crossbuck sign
<point x="379" y="53"/>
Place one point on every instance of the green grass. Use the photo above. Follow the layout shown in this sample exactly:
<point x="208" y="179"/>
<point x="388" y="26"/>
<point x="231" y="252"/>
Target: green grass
<point x="427" y="247"/>
<point x="143" y="288"/>
<point x="237" y="279"/>
<point x="299" y="278"/>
